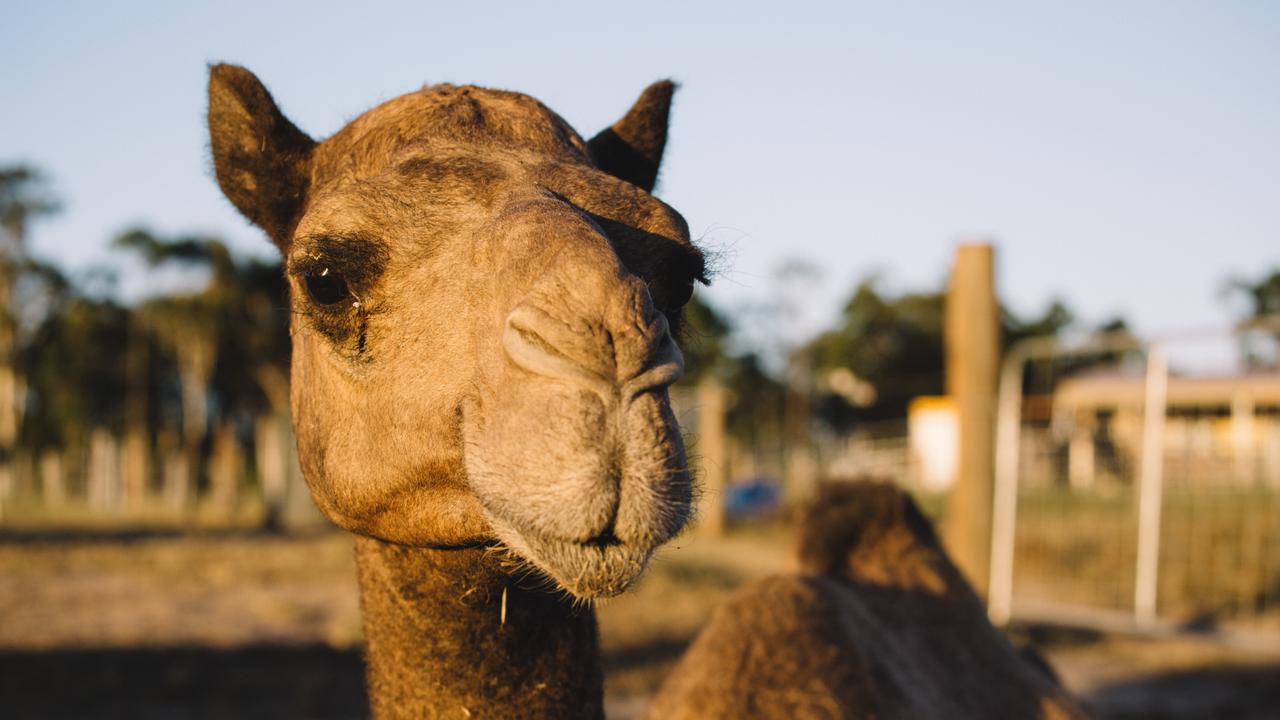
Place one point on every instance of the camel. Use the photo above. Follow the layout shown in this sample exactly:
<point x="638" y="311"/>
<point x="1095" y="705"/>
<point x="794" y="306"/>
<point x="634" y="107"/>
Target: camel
<point x="878" y="623"/>
<point x="481" y="331"/>
<point x="483" y="307"/>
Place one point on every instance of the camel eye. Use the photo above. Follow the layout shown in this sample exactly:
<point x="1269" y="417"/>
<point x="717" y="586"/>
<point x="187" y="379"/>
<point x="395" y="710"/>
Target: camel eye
<point x="326" y="288"/>
<point x="681" y="295"/>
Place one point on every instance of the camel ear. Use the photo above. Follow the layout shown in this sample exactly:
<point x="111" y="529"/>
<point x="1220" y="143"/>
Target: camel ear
<point x="261" y="159"/>
<point x="632" y="148"/>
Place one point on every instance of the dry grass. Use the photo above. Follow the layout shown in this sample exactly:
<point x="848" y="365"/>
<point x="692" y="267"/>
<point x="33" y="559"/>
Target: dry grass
<point x="157" y="589"/>
<point x="216" y="623"/>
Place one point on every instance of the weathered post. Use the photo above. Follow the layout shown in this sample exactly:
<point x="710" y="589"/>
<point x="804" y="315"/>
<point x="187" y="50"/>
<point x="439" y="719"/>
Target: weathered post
<point x="1151" y="485"/>
<point x="104" y="491"/>
<point x="799" y="460"/>
<point x="972" y="337"/>
<point x="8" y="387"/>
<point x="225" y="468"/>
<point x="175" y="471"/>
<point x="136" y="451"/>
<point x="713" y="449"/>
<point x="272" y="461"/>
<point x="53" y="483"/>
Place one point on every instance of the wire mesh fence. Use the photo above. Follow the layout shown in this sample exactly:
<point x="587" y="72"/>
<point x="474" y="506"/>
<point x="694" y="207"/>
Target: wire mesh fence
<point x="1143" y="479"/>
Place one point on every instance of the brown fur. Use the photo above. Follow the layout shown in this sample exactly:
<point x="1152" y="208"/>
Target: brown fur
<point x="481" y="354"/>
<point x="880" y="625"/>
<point x="439" y="645"/>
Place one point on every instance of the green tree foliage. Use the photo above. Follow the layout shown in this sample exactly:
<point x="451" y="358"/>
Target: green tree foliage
<point x="24" y="284"/>
<point x="895" y="344"/>
<point x="705" y="341"/>
<point x="1263" y="301"/>
<point x="1263" y="294"/>
<point x="892" y="343"/>
<point x="217" y="352"/>
<point x="24" y="195"/>
<point x="75" y="372"/>
<point x="230" y="338"/>
<point x="703" y="333"/>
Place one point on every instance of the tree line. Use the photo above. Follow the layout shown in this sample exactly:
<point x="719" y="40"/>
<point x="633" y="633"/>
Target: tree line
<point x="184" y="371"/>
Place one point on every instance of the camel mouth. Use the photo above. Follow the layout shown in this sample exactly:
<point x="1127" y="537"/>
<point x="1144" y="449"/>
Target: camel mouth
<point x="590" y="490"/>
<point x="593" y="569"/>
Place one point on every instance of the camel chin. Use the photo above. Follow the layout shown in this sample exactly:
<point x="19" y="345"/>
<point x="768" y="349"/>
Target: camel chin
<point x="586" y="570"/>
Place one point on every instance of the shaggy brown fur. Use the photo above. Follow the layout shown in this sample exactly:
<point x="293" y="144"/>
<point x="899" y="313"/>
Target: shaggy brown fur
<point x="880" y="625"/>
<point x="482" y="305"/>
<point x="443" y="641"/>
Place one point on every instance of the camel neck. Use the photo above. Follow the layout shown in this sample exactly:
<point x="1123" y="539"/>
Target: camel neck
<point x="440" y="643"/>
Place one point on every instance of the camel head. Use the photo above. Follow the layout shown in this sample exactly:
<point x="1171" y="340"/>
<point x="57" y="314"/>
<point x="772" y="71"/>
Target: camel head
<point x="482" y="310"/>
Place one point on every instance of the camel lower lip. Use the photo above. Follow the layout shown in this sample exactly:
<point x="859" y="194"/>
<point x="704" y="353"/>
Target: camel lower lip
<point x="588" y="569"/>
<point x="584" y="569"/>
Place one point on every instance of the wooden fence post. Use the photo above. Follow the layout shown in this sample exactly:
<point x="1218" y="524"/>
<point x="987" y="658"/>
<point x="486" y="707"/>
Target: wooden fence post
<point x="226" y="465"/>
<point x="53" y="482"/>
<point x="972" y="337"/>
<point x="713" y="449"/>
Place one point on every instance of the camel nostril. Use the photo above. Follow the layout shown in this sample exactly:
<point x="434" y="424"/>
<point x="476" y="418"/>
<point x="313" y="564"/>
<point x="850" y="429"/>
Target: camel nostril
<point x="637" y="359"/>
<point x="531" y="349"/>
<point x="535" y="343"/>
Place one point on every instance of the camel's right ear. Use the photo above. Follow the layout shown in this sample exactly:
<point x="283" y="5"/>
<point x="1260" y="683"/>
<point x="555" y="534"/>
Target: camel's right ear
<point x="262" y="160"/>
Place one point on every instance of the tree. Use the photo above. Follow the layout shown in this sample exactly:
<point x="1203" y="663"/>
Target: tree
<point x="702" y="335"/>
<point x="892" y="344"/>
<point x="889" y="349"/>
<point x="1262" y="294"/>
<point x="1263" y="301"/>
<point x="24" y="195"/>
<point x="76" y="378"/>
<point x="229" y="340"/>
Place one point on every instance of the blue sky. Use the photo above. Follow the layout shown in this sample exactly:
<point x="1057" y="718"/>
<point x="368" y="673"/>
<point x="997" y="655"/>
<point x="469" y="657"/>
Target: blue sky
<point x="1124" y="156"/>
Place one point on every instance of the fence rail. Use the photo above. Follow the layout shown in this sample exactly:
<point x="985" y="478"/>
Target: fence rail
<point x="1153" y="493"/>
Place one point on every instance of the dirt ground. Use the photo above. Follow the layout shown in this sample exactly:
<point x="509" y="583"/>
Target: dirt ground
<point x="223" y="623"/>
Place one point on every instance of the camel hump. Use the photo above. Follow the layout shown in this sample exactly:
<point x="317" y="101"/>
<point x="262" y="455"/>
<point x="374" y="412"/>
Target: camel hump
<point x="874" y="533"/>
<point x="776" y="649"/>
<point x="879" y="624"/>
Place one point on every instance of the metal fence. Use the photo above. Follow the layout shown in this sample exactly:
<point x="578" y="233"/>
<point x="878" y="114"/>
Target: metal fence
<point x="1140" y="481"/>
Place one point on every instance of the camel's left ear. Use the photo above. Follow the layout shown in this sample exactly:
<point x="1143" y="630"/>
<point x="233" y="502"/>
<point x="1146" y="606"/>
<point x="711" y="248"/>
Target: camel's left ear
<point x="632" y="148"/>
<point x="262" y="160"/>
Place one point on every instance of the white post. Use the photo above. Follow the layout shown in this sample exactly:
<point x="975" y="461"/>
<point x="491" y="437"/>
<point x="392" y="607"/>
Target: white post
<point x="1150" y="490"/>
<point x="1004" y="509"/>
<point x="1243" y="445"/>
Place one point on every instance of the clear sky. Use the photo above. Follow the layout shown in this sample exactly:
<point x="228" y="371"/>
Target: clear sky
<point x="1123" y="155"/>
